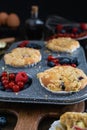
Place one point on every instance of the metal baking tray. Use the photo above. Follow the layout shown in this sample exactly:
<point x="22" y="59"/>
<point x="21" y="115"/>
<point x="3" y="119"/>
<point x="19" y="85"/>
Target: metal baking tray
<point x="35" y="93"/>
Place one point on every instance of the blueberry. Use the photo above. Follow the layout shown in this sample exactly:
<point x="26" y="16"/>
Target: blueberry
<point x="80" y="78"/>
<point x="68" y="29"/>
<point x="34" y="45"/>
<point x="64" y="60"/>
<point x="50" y="63"/>
<point x="80" y="30"/>
<point x="1" y="87"/>
<point x="63" y="31"/>
<point x="29" y="81"/>
<point x="3" y="121"/>
<point x="62" y="86"/>
<point x="74" y="61"/>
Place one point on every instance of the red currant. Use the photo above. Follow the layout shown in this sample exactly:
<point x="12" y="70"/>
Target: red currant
<point x="5" y="82"/>
<point x="16" y="88"/>
<point x="50" y="58"/>
<point x="11" y="76"/>
<point x="20" y="84"/>
<point x="4" y="78"/>
<point x="11" y="84"/>
<point x="4" y="74"/>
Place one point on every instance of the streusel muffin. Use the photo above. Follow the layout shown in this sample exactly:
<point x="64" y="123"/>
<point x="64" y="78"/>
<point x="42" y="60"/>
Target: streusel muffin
<point x="70" y="121"/>
<point x="63" y="44"/>
<point x="22" y="56"/>
<point x="63" y="78"/>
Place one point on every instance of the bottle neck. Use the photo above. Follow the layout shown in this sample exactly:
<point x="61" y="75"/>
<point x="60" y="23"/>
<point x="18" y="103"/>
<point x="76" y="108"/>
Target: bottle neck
<point x="34" y="14"/>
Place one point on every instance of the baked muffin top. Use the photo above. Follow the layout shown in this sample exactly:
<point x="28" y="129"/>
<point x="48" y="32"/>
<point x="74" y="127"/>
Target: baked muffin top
<point x="63" y="44"/>
<point x="22" y="56"/>
<point x="63" y="78"/>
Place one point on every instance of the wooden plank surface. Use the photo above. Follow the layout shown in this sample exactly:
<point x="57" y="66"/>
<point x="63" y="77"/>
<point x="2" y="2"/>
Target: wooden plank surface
<point x="29" y="116"/>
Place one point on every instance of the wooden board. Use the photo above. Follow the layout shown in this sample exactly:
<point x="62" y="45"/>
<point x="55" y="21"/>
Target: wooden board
<point x="34" y="116"/>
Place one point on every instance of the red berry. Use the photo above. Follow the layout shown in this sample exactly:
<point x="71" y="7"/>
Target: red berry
<point x="11" y="84"/>
<point x="16" y="88"/>
<point x="23" y="44"/>
<point x="6" y="86"/>
<point x="11" y="76"/>
<point x="55" y="60"/>
<point x="21" y="76"/>
<point x="50" y="58"/>
<point x="5" y="82"/>
<point x="4" y="78"/>
<point x="20" y="84"/>
<point x="83" y="26"/>
<point x="74" y="30"/>
<point x="4" y="74"/>
<point x="73" y="65"/>
<point x="59" y="27"/>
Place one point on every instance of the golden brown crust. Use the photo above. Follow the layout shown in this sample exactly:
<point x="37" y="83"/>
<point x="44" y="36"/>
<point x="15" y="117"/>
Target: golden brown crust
<point x="63" y="78"/>
<point x="22" y="56"/>
<point x="71" y="119"/>
<point x="63" y="44"/>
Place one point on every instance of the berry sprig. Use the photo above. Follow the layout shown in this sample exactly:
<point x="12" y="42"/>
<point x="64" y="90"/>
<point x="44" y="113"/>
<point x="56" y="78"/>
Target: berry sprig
<point x="14" y="81"/>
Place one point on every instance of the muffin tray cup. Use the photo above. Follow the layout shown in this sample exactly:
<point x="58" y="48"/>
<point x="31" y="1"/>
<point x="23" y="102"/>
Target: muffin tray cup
<point x="35" y="93"/>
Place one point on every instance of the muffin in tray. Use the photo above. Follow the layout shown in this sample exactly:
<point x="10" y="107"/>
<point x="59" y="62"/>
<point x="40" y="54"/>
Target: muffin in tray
<point x="63" y="78"/>
<point x="20" y="57"/>
<point x="63" y="44"/>
<point x="70" y="121"/>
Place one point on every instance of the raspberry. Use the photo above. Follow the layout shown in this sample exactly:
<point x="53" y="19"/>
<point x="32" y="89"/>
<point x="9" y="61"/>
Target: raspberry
<point x="59" y="27"/>
<point x="23" y="44"/>
<point x="83" y="26"/>
<point x="75" y="30"/>
<point x="50" y="58"/>
<point x="21" y="76"/>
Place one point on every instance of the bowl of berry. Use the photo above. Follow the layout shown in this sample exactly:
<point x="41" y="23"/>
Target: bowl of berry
<point x="14" y="82"/>
<point x="60" y="27"/>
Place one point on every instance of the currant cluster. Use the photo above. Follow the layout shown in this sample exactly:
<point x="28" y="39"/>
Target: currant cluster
<point x="54" y="61"/>
<point x="13" y="81"/>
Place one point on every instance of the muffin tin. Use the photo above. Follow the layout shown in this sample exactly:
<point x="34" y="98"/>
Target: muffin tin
<point x="35" y="93"/>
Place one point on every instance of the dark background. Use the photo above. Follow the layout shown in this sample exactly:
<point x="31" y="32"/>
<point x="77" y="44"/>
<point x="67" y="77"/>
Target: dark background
<point x="72" y="10"/>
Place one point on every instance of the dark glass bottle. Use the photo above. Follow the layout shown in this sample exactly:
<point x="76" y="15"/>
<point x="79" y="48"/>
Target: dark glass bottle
<point x="34" y="26"/>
